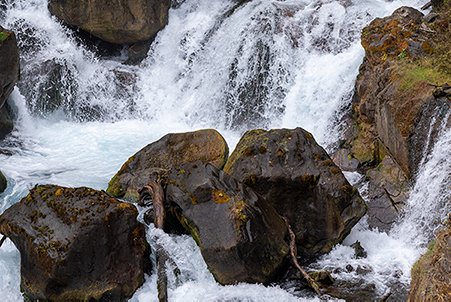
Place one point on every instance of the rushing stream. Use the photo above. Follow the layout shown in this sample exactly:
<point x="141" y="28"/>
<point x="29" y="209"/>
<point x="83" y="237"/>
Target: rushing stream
<point x="206" y="69"/>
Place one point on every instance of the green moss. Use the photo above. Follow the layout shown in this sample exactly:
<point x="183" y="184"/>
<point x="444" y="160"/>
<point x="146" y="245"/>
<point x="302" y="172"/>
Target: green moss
<point x="413" y="74"/>
<point x="4" y="36"/>
<point x="114" y="188"/>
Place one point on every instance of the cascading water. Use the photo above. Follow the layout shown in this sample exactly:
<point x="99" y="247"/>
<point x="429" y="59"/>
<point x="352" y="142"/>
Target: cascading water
<point x="216" y="64"/>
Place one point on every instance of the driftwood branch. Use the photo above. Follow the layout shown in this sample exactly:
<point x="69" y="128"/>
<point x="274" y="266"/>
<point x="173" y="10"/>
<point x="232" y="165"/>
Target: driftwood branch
<point x="155" y="190"/>
<point x="293" y="251"/>
<point x="2" y="240"/>
<point x="427" y="5"/>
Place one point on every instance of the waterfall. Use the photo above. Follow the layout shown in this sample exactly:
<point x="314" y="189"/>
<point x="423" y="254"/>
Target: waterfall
<point x="264" y="63"/>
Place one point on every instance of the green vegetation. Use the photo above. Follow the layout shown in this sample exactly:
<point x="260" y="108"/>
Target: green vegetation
<point x="412" y="74"/>
<point x="3" y="36"/>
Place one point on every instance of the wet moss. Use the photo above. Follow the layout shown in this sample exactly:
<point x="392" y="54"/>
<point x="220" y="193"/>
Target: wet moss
<point x="4" y="36"/>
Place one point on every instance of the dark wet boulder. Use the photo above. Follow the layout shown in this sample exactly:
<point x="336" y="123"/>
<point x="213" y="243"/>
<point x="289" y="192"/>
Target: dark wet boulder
<point x="431" y="273"/>
<point x="9" y="74"/>
<point x="125" y="22"/>
<point x="3" y="182"/>
<point x="77" y="245"/>
<point x="171" y="150"/>
<point x="297" y="177"/>
<point x="240" y="235"/>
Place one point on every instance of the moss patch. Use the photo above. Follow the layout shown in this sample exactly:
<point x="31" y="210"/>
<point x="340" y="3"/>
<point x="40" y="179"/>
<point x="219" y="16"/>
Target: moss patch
<point x="4" y="36"/>
<point x="412" y="74"/>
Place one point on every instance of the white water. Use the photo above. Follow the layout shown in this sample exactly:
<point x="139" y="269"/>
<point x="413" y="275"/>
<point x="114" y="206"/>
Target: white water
<point x="197" y="75"/>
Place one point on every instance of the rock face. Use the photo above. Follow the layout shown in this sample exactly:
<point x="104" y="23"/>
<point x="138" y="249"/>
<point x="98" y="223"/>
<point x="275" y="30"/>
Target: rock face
<point x="118" y="22"/>
<point x="3" y="182"/>
<point x="405" y="58"/>
<point x="76" y="245"/>
<point x="297" y="177"/>
<point x="9" y="74"/>
<point x="431" y="273"/>
<point x="171" y="150"/>
<point x="240" y="235"/>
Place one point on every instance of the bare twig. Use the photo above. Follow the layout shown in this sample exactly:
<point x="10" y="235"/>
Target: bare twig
<point x="293" y="251"/>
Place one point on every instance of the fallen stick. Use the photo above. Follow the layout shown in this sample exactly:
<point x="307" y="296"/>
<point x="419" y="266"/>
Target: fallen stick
<point x="156" y="191"/>
<point x="293" y="251"/>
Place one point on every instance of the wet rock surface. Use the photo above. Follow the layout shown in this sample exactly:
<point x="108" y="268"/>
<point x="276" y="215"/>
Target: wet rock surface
<point x="77" y="245"/>
<point x="297" y="177"/>
<point x="3" y="182"/>
<point x="240" y="235"/>
<point x="125" y="22"/>
<point x="431" y="273"/>
<point x="171" y="150"/>
<point x="9" y="75"/>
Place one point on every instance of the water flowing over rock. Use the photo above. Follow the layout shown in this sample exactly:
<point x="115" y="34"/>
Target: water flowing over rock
<point x="9" y="74"/>
<point x="240" y="235"/>
<point x="297" y="177"/>
<point x="124" y="22"/>
<point x="76" y="245"/>
<point x="431" y="273"/>
<point x="171" y="150"/>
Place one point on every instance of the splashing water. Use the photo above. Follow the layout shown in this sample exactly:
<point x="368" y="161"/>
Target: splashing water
<point x="261" y="64"/>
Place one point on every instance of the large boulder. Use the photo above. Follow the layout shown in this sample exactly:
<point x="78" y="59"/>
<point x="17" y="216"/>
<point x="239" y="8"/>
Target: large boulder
<point x="297" y="177"/>
<point x="77" y="245"/>
<point x="240" y="235"/>
<point x="171" y="150"/>
<point x="9" y="74"/>
<point x="431" y="273"/>
<point x="118" y="22"/>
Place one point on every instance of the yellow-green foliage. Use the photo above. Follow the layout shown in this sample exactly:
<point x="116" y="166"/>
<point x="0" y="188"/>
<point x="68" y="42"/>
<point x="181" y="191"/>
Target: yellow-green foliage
<point x="413" y="74"/>
<point x="3" y="36"/>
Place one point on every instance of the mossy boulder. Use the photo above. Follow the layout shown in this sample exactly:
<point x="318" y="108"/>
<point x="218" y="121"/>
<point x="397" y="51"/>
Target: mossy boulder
<point x="241" y="237"/>
<point x="297" y="177"/>
<point x="3" y="182"/>
<point x="431" y="273"/>
<point x="77" y="245"/>
<point x="171" y="150"/>
<point x="121" y="22"/>
<point x="9" y="75"/>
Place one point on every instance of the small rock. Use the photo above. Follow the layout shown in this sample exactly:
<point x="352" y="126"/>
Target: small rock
<point x="3" y="182"/>
<point x="323" y="277"/>
<point x="359" y="251"/>
<point x="349" y="268"/>
<point x="429" y="18"/>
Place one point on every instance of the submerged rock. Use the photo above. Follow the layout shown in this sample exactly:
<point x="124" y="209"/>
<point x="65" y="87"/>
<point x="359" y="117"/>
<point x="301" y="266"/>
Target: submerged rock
<point x="3" y="182"/>
<point x="240" y="235"/>
<point x="9" y="75"/>
<point x="49" y="86"/>
<point x="431" y="273"/>
<point x="297" y="177"/>
<point x="76" y="245"/>
<point x="171" y="150"/>
<point x="125" y="22"/>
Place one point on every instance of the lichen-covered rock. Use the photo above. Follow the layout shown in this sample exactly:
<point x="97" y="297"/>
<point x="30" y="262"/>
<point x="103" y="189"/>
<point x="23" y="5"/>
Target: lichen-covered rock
<point x="3" y="182"/>
<point x="77" y="245"/>
<point x="240" y="235"/>
<point x="297" y="177"/>
<point x="406" y="57"/>
<point x="432" y="272"/>
<point x="171" y="150"/>
<point x="9" y="74"/>
<point x="121" y="22"/>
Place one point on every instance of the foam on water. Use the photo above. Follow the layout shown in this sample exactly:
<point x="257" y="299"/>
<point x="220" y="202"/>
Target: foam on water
<point x="265" y="64"/>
